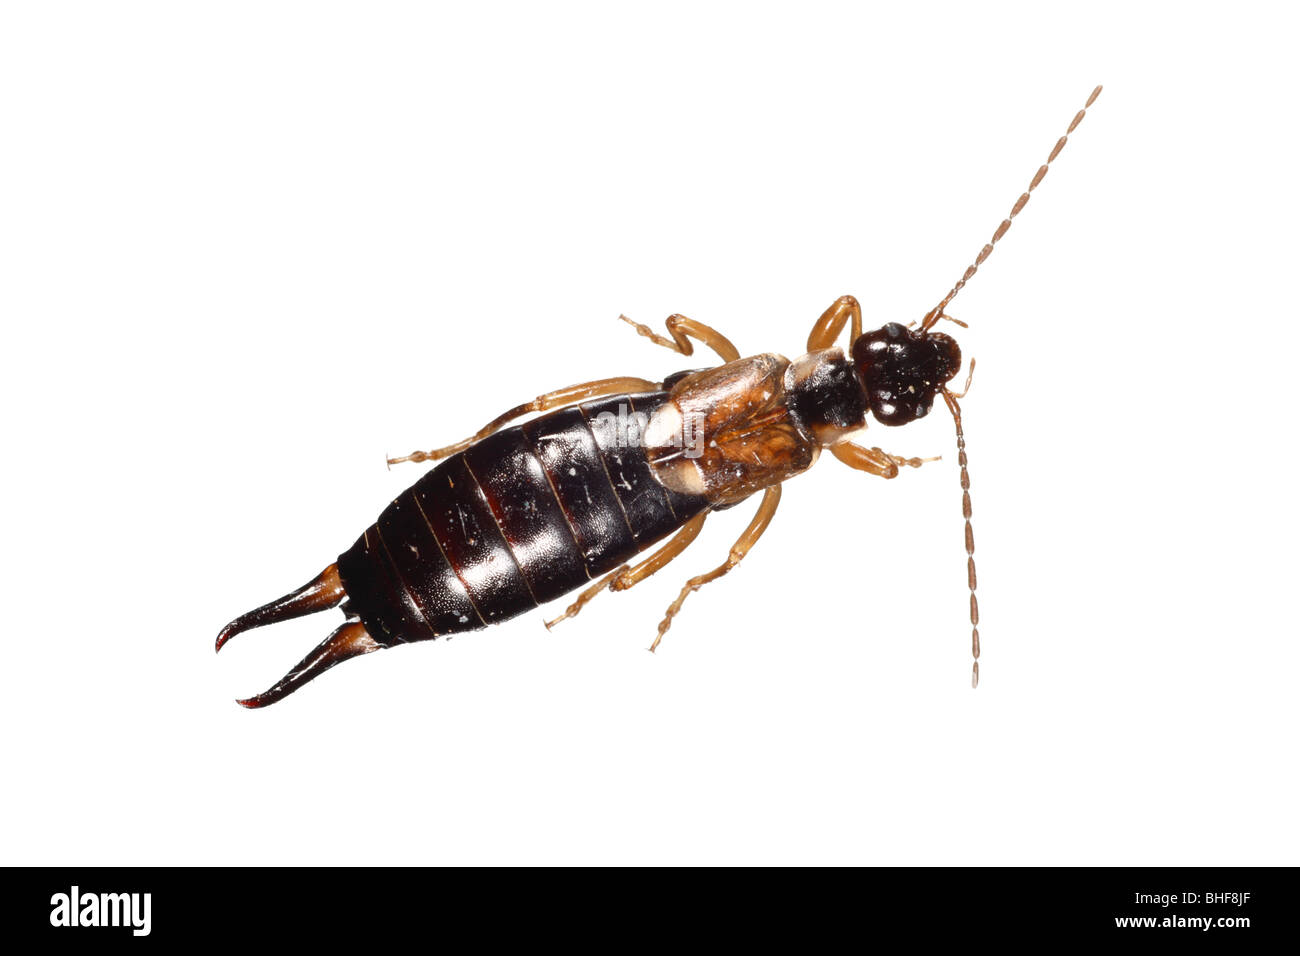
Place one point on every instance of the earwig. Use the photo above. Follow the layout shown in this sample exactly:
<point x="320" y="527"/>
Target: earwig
<point x="519" y="515"/>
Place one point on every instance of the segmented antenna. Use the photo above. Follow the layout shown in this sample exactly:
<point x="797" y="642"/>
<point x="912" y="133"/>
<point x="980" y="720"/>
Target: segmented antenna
<point x="932" y="317"/>
<point x="953" y="407"/>
<point x="936" y="313"/>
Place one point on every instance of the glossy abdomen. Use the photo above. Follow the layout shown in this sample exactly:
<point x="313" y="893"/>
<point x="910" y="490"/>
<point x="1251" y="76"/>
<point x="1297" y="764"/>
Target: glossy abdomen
<point x="518" y="519"/>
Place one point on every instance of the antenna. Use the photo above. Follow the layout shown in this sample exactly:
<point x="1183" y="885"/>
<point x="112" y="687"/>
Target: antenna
<point x="935" y="314"/>
<point x="951" y="400"/>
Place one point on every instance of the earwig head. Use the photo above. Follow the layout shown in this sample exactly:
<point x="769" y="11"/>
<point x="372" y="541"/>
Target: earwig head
<point x="902" y="370"/>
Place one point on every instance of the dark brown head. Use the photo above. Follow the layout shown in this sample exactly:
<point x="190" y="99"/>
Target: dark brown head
<point x="902" y="370"/>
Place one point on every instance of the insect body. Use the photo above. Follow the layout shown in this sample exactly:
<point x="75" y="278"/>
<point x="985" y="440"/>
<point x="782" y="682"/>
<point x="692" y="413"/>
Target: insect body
<point x="517" y="516"/>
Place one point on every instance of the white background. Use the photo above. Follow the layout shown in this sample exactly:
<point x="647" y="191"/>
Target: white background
<point x="250" y="248"/>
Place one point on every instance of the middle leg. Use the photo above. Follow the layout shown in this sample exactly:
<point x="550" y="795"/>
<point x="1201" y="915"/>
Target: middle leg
<point x="679" y="327"/>
<point x="873" y="460"/>
<point x="622" y="578"/>
<point x="542" y="403"/>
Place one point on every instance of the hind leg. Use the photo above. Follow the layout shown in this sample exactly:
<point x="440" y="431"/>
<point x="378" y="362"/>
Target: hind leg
<point x="766" y="509"/>
<point x="620" y="579"/>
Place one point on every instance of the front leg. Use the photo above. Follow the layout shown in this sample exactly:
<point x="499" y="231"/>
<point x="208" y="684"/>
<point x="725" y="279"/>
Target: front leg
<point x="828" y="327"/>
<point x="873" y="460"/>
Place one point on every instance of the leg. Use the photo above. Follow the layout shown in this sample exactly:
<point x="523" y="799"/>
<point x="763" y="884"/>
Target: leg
<point x="829" y="326"/>
<point x="542" y="403"/>
<point x="620" y="579"/>
<point x="873" y="460"/>
<point x="679" y="326"/>
<point x="763" y="517"/>
<point x="965" y="388"/>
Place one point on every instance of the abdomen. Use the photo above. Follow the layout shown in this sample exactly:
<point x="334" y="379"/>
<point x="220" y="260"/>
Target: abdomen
<point x="518" y="519"/>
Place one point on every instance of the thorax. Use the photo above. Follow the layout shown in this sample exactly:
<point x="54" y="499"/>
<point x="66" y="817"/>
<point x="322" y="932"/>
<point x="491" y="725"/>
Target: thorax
<point x="730" y="431"/>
